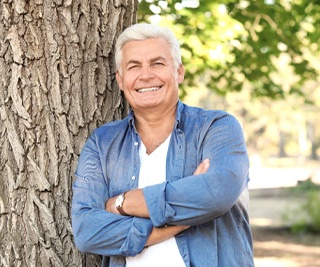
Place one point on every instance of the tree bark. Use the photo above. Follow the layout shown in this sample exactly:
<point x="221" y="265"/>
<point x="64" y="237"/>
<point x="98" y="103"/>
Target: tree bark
<point x="57" y="83"/>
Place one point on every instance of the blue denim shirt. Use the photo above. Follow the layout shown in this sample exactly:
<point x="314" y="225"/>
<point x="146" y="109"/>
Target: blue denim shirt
<point x="214" y="203"/>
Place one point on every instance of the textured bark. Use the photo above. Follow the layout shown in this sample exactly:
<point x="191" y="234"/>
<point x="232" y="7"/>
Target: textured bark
<point x="57" y="83"/>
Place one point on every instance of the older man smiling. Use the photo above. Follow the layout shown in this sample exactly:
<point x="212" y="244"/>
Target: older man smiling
<point x="167" y="185"/>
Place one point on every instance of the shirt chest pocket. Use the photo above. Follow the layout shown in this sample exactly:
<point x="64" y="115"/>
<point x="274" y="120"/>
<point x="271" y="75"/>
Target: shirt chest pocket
<point x="122" y="174"/>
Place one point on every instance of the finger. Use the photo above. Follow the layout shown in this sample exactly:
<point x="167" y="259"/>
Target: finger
<point x="199" y="169"/>
<point x="203" y="167"/>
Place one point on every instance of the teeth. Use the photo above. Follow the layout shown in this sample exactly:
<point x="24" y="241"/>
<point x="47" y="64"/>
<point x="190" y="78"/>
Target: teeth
<point x="143" y="90"/>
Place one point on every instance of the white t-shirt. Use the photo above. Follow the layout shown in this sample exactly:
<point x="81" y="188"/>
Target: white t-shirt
<point x="153" y="171"/>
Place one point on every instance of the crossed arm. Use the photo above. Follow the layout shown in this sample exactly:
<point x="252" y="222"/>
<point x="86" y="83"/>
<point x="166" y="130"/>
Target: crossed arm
<point x="135" y="205"/>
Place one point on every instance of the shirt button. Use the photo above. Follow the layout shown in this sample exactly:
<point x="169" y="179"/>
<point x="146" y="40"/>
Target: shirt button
<point x="135" y="143"/>
<point x="133" y="178"/>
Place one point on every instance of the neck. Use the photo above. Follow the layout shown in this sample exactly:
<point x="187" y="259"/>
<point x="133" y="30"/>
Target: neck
<point x="154" y="129"/>
<point x="152" y="119"/>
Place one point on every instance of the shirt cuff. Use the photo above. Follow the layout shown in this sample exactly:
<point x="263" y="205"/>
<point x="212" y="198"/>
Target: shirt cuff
<point x="161" y="213"/>
<point x="137" y="237"/>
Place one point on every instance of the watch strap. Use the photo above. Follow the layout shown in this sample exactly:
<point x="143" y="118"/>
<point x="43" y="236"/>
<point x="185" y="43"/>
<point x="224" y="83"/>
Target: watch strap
<point x="121" y="211"/>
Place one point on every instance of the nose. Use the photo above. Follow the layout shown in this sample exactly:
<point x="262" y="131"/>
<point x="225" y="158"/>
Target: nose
<point x="146" y="73"/>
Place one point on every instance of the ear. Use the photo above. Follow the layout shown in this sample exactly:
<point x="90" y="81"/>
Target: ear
<point x="119" y="80"/>
<point x="181" y="73"/>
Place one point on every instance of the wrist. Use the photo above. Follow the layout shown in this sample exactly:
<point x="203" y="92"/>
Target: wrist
<point x="119" y="204"/>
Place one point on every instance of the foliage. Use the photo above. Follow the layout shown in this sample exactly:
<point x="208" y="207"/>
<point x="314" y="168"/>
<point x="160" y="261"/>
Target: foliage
<point x="227" y="44"/>
<point x="307" y="215"/>
<point x="283" y="128"/>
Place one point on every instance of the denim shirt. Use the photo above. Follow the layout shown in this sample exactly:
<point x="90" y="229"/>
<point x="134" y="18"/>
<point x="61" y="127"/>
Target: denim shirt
<point x="214" y="203"/>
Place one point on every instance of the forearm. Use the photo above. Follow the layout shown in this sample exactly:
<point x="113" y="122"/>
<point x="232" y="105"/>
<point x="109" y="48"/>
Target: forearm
<point x="161" y="234"/>
<point x="196" y="199"/>
<point x="104" y="233"/>
<point x="190" y="201"/>
<point x="99" y="232"/>
<point x="133" y="205"/>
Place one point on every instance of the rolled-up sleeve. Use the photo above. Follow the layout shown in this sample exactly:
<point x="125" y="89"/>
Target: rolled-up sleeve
<point x="96" y="230"/>
<point x="195" y="199"/>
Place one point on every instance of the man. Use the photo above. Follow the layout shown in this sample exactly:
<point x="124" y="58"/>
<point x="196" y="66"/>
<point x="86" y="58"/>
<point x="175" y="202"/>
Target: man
<point x="167" y="185"/>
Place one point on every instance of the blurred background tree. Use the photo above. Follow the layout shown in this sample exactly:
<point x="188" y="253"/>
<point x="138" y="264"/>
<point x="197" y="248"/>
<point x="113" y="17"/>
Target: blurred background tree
<point x="267" y="50"/>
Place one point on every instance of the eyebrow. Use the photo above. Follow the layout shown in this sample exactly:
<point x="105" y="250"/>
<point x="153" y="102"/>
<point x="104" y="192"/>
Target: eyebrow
<point x="158" y="58"/>
<point x="135" y="61"/>
<point x="132" y="61"/>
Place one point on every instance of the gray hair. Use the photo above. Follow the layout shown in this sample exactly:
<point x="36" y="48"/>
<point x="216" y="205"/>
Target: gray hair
<point x="143" y="31"/>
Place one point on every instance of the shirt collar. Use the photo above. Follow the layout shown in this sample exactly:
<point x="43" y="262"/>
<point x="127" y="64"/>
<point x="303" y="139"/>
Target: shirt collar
<point x="180" y="106"/>
<point x="131" y="118"/>
<point x="178" y="115"/>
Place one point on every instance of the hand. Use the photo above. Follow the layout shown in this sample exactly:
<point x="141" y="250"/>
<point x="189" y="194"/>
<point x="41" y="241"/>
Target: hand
<point x="203" y="167"/>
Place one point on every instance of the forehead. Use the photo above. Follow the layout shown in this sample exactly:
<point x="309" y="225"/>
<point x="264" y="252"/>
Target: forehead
<point x="146" y="49"/>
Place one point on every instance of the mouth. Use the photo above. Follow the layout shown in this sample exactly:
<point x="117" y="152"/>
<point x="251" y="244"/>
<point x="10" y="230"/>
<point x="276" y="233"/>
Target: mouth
<point x="150" y="89"/>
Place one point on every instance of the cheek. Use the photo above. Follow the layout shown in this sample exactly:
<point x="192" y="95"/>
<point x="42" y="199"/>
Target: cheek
<point x="128" y="82"/>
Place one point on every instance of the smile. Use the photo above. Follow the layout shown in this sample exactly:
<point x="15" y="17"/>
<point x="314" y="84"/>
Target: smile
<point x="143" y="90"/>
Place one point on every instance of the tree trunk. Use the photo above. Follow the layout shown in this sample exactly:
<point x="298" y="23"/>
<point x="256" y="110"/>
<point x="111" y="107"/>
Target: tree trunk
<point x="311" y="131"/>
<point x="57" y="83"/>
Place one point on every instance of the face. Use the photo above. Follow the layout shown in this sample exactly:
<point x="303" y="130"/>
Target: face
<point x="149" y="77"/>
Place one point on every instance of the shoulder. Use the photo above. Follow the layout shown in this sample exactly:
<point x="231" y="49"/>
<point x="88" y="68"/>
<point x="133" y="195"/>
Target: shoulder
<point x="110" y="130"/>
<point x="210" y="124"/>
<point x="117" y="125"/>
<point x="197" y="115"/>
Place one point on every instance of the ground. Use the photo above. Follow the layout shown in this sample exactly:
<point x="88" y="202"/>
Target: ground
<point x="274" y="244"/>
<point x="278" y="247"/>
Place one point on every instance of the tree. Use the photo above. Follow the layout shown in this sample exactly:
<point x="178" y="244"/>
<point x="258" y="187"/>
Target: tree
<point x="57" y="83"/>
<point x="227" y="44"/>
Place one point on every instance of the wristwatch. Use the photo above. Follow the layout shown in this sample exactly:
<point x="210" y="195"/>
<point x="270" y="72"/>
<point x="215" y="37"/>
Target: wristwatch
<point x="119" y="204"/>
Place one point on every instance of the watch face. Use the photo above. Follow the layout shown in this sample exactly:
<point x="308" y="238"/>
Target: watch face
<point x="119" y="201"/>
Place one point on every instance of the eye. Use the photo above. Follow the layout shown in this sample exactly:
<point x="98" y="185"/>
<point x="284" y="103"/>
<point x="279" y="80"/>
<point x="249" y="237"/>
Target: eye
<point x="158" y="63"/>
<point x="130" y="67"/>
